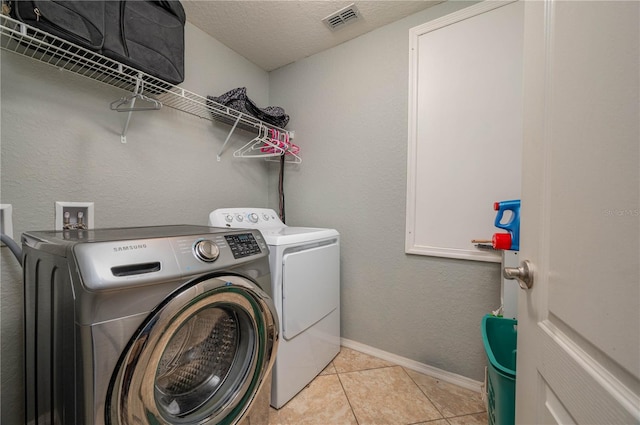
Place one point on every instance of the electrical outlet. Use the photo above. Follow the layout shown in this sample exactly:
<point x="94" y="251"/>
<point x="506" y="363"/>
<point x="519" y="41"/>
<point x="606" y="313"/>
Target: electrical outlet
<point x="6" y="222"/>
<point x="74" y="215"/>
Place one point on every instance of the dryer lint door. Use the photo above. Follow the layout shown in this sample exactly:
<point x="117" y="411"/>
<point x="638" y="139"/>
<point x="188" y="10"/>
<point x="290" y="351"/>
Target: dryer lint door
<point x="310" y="287"/>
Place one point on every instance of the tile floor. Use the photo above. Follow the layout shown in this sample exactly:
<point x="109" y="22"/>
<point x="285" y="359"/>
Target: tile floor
<point x="358" y="389"/>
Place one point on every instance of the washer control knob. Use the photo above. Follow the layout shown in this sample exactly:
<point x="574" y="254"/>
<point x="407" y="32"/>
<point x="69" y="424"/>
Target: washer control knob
<point x="228" y="218"/>
<point x="206" y="250"/>
<point x="265" y="216"/>
<point x="239" y="217"/>
<point x="253" y="217"/>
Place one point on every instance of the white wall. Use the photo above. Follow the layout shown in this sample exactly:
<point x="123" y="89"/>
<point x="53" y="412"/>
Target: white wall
<point x="60" y="142"/>
<point x="349" y="110"/>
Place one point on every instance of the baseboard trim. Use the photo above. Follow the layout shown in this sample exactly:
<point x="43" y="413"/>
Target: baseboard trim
<point x="434" y="372"/>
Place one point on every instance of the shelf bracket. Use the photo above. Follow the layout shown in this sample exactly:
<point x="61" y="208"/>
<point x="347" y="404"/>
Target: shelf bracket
<point x="123" y="135"/>
<point x="128" y="104"/>
<point x="224" y="145"/>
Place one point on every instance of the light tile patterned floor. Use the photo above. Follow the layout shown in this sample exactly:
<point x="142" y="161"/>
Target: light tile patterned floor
<point x="358" y="389"/>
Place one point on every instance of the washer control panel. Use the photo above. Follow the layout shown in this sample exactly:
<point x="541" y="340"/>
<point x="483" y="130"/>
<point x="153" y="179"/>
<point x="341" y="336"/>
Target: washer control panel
<point x="158" y="254"/>
<point x="242" y="245"/>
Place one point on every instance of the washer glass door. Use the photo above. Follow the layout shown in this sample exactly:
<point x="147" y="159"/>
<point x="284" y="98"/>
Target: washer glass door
<point x="200" y="357"/>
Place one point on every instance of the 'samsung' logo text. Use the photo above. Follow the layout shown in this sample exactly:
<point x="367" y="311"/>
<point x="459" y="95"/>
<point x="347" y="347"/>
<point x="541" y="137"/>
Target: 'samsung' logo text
<point x="129" y="247"/>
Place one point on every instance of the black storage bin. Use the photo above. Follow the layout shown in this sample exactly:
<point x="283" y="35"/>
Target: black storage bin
<point x="80" y="22"/>
<point x="148" y="36"/>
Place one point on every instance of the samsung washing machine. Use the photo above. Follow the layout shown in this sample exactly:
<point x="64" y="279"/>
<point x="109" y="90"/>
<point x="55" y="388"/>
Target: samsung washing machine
<point x="305" y="274"/>
<point x="149" y="325"/>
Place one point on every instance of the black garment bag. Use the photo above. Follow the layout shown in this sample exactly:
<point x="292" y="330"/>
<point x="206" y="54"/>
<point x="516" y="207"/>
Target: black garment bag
<point x="80" y="22"/>
<point x="148" y="36"/>
<point x="143" y="34"/>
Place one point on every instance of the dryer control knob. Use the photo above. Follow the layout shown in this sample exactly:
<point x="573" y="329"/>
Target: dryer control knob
<point x="253" y="217"/>
<point x="206" y="250"/>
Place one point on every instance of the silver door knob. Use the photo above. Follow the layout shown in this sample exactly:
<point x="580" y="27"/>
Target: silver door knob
<point x="523" y="274"/>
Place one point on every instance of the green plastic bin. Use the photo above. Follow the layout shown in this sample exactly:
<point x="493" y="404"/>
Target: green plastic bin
<point x="499" y="336"/>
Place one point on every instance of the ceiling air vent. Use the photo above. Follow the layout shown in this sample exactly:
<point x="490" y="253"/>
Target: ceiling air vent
<point x="342" y="17"/>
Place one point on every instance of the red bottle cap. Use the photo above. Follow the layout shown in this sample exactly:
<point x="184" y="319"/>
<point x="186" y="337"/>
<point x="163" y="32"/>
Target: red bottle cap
<point x="501" y="241"/>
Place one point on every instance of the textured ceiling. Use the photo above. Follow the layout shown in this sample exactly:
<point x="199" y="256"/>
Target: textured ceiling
<point x="272" y="33"/>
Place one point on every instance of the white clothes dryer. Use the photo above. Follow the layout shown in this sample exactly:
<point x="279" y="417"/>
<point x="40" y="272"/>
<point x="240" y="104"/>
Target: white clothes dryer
<point x="305" y="274"/>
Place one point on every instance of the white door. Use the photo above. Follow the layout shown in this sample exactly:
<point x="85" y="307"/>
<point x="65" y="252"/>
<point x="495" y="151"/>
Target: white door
<point x="579" y="325"/>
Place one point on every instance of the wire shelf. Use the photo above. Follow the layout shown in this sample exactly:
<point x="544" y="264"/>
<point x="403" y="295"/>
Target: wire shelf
<point x="30" y="42"/>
